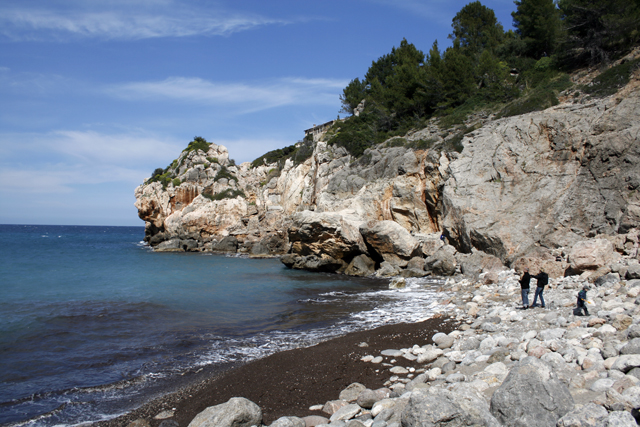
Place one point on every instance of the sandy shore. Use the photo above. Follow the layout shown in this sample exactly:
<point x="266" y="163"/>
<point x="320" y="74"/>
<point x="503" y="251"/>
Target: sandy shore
<point x="289" y="382"/>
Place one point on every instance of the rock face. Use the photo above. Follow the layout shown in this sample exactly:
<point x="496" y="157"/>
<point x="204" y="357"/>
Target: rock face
<point x="524" y="189"/>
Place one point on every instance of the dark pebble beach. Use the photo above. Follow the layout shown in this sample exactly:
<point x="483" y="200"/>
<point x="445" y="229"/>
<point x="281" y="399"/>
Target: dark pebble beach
<point x="289" y="382"/>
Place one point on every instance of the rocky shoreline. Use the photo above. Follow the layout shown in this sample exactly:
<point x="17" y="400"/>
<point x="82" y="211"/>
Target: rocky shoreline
<point x="555" y="191"/>
<point x="502" y="365"/>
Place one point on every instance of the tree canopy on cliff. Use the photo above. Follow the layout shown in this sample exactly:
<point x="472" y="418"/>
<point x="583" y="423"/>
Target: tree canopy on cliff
<point x="507" y="72"/>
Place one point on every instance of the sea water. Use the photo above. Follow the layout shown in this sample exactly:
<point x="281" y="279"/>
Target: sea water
<point x="93" y="322"/>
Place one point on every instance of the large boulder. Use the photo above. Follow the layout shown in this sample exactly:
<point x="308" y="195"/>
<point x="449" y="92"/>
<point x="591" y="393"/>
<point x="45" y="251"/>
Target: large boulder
<point x="461" y="406"/>
<point x="531" y="396"/>
<point x="361" y="265"/>
<point x="237" y="412"/>
<point x="480" y="262"/>
<point x="442" y="262"/>
<point x="325" y="233"/>
<point x="390" y="240"/>
<point x="591" y="254"/>
<point x="323" y="263"/>
<point x="223" y="244"/>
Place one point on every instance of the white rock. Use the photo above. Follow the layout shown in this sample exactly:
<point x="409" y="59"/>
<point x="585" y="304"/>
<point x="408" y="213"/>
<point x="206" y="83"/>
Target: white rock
<point x="498" y="369"/>
<point x="620" y="419"/>
<point x="550" y="334"/>
<point x="602" y="385"/>
<point x="607" y="329"/>
<point x="456" y="356"/>
<point x="346" y="413"/>
<point x="429" y="355"/>
<point x="434" y="373"/>
<point x="626" y="362"/>
<point x="479" y="385"/>
<point x="382" y="405"/>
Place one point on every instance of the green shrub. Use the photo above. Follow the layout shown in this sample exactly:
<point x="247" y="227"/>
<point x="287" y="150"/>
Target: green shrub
<point x="538" y="99"/>
<point x="224" y="173"/>
<point x="422" y="144"/>
<point x="608" y="82"/>
<point x="176" y="182"/>
<point x="396" y="142"/>
<point x="455" y="143"/>
<point x="213" y="159"/>
<point x="160" y="175"/>
<point x="273" y="156"/>
<point x="298" y="153"/>
<point x="156" y="173"/>
<point x="226" y="194"/>
<point x="198" y="143"/>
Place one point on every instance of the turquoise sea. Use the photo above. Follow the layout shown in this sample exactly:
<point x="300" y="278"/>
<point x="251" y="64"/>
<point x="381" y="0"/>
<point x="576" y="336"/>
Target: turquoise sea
<point x="93" y="322"/>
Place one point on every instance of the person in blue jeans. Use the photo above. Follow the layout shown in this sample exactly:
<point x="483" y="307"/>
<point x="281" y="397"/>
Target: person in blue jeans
<point x="543" y="280"/>
<point x="524" y="285"/>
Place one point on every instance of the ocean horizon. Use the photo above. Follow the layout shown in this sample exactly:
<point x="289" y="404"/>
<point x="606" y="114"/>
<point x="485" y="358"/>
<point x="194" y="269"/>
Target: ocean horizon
<point x="93" y="323"/>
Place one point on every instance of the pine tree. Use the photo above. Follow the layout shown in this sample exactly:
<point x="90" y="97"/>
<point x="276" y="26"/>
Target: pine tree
<point x="458" y="76"/>
<point x="538" y="23"/>
<point x="599" y="30"/>
<point x="476" y="28"/>
<point x="352" y="95"/>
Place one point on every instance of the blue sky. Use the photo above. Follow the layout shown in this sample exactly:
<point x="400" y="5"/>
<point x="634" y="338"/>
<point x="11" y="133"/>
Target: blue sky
<point x="96" y="94"/>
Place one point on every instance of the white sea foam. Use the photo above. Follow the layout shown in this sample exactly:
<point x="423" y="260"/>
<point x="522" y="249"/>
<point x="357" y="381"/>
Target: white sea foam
<point x="418" y="301"/>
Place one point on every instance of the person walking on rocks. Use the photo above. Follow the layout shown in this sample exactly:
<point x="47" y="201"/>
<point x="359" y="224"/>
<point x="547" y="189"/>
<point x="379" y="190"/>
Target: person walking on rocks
<point x="543" y="280"/>
<point x="524" y="285"/>
<point x="582" y="302"/>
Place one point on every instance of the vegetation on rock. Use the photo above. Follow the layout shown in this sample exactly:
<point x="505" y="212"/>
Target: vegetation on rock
<point x="298" y="153"/>
<point x="487" y="69"/>
<point x="229" y="193"/>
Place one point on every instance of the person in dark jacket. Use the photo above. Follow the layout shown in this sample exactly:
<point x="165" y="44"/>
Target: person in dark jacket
<point x="582" y="302"/>
<point x="543" y="280"/>
<point x="524" y="285"/>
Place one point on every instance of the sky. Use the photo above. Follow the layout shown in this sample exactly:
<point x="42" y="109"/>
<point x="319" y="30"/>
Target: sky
<point x="96" y="94"/>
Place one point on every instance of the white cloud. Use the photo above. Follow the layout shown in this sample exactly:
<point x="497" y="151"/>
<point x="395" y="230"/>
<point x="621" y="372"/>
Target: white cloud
<point x="246" y="97"/>
<point x="124" y="21"/>
<point x="60" y="160"/>
<point x="96" y="148"/>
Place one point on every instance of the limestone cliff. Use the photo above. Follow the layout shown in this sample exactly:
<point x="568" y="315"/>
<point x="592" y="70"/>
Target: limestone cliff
<point x="522" y="188"/>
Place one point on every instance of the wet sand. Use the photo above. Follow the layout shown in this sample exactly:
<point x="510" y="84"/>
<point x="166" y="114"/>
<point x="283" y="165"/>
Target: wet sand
<point x="289" y="382"/>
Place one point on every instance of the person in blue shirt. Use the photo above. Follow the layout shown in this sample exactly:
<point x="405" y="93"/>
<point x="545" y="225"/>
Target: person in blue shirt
<point x="543" y="280"/>
<point x="582" y="302"/>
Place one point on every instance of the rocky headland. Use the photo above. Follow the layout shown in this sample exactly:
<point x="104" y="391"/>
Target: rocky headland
<point x="527" y="189"/>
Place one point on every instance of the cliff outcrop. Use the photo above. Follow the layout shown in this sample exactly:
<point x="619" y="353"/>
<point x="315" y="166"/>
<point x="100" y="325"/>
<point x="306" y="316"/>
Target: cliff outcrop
<point x="522" y="190"/>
